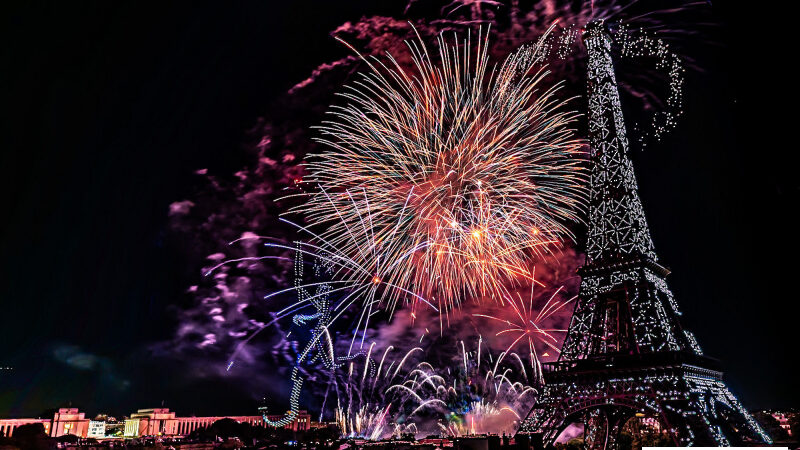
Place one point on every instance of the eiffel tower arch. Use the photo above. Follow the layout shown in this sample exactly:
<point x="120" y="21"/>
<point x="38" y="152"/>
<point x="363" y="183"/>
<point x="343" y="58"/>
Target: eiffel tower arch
<point x="625" y="354"/>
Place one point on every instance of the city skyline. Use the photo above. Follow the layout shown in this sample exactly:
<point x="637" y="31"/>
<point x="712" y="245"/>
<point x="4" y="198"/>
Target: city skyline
<point x="99" y="278"/>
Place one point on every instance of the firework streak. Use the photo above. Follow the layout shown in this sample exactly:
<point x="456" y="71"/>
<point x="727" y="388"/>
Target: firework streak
<point x="476" y="393"/>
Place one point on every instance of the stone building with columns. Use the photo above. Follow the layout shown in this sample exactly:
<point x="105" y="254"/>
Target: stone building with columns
<point x="163" y="422"/>
<point x="65" y="421"/>
<point x="144" y="422"/>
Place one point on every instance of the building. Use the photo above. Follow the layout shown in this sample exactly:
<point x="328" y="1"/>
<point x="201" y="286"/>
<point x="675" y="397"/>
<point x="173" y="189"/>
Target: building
<point x="65" y="421"/>
<point x="115" y="429"/>
<point x="150" y="422"/>
<point x="301" y="423"/>
<point x="783" y="421"/>
<point x="163" y="422"/>
<point x="97" y="429"/>
<point x="69" y="421"/>
<point x="320" y="425"/>
<point x="144" y="422"/>
<point x="7" y="426"/>
<point x="104" y="426"/>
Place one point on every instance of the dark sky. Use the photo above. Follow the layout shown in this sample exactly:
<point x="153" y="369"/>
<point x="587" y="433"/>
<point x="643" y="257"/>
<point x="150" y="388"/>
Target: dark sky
<point x="108" y="108"/>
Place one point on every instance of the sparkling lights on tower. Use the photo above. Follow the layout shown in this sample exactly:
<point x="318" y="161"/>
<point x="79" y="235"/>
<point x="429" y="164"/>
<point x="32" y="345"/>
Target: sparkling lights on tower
<point x="626" y="353"/>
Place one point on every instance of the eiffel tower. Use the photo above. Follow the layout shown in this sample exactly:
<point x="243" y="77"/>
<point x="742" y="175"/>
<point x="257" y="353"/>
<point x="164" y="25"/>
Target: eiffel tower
<point x="625" y="354"/>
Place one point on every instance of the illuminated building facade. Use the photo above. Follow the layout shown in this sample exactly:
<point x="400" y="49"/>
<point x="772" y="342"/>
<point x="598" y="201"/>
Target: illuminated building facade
<point x="7" y="426"/>
<point x="144" y="422"/>
<point x="65" y="421"/>
<point x="783" y="421"/>
<point x="97" y="429"/>
<point x="69" y="421"/>
<point x="163" y="422"/>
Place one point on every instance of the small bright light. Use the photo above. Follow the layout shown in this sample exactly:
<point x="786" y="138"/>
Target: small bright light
<point x="376" y="280"/>
<point x="476" y="234"/>
<point x="535" y="231"/>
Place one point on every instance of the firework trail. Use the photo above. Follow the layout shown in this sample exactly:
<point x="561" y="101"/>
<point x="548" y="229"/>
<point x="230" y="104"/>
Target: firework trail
<point x="448" y="180"/>
<point x="474" y="393"/>
<point x="529" y="324"/>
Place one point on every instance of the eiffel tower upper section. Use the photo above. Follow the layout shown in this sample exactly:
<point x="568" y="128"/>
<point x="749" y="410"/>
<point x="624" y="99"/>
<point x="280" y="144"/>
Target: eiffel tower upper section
<point x="617" y="227"/>
<point x="625" y="305"/>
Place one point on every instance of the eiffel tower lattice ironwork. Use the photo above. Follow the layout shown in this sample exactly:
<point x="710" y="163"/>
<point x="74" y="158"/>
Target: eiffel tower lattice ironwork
<point x="625" y="354"/>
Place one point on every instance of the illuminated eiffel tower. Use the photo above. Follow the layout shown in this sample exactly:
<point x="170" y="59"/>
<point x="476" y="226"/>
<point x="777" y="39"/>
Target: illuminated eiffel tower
<point x="625" y="354"/>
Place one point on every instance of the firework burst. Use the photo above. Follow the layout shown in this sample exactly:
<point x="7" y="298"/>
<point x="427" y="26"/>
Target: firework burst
<point x="449" y="179"/>
<point x="528" y="324"/>
<point x="405" y="394"/>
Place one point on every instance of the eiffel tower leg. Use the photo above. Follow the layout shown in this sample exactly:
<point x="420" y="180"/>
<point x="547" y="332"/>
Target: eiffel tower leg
<point x="543" y="422"/>
<point x="756" y="432"/>
<point x="602" y="427"/>
<point x="595" y="429"/>
<point x="616" y="420"/>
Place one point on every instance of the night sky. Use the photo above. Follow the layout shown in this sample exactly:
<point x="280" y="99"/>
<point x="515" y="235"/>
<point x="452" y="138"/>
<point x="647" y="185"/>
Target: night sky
<point x="108" y="108"/>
